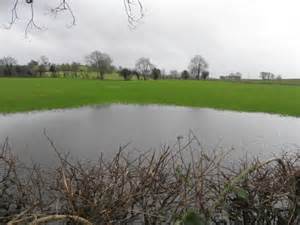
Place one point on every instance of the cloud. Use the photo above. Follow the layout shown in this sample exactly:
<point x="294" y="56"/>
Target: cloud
<point x="233" y="35"/>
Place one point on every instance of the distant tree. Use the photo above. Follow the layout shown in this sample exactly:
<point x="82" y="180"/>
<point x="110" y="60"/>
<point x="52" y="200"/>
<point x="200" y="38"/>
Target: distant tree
<point x="136" y="73"/>
<point x="263" y="75"/>
<point x="33" y="67"/>
<point x="205" y="75"/>
<point x="156" y="74"/>
<point x="65" y="68"/>
<point x="163" y="74"/>
<point x="43" y="65"/>
<point x="8" y="61"/>
<point x="53" y="70"/>
<point x="84" y="73"/>
<point x="185" y="75"/>
<point x="238" y="75"/>
<point x="44" y="61"/>
<point x="232" y="76"/>
<point x="8" y="65"/>
<point x="125" y="73"/>
<point x="197" y="66"/>
<point x="144" y="67"/>
<point x="75" y="67"/>
<point x="279" y="77"/>
<point x="267" y="76"/>
<point x="33" y="63"/>
<point x="101" y="62"/>
<point x="22" y="71"/>
<point x="42" y="70"/>
<point x="174" y="74"/>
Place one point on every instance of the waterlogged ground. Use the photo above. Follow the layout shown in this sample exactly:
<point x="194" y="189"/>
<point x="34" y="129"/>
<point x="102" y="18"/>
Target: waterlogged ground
<point x="86" y="132"/>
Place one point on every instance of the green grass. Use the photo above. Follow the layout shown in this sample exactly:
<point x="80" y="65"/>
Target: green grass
<point x="280" y="82"/>
<point x="34" y="94"/>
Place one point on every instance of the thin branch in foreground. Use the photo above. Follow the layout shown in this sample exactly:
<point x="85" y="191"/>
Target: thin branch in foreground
<point x="50" y="219"/>
<point x="55" y="218"/>
<point x="31" y="23"/>
<point x="64" y="6"/>
<point x="134" y="10"/>
<point x="14" y="14"/>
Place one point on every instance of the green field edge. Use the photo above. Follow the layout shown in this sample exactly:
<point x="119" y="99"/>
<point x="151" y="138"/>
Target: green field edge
<point x="132" y="103"/>
<point x="27" y="95"/>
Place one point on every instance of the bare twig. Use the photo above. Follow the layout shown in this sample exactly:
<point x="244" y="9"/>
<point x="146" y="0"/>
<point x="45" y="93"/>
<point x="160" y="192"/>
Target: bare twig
<point x="133" y="8"/>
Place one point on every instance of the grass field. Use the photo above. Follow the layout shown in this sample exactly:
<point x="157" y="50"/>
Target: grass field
<point x="279" y="82"/>
<point x="34" y="94"/>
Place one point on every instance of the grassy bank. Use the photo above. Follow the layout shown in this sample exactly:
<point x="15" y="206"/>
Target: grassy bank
<point x="34" y="94"/>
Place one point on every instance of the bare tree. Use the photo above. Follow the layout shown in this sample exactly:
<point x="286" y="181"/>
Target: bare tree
<point x="174" y="74"/>
<point x="53" y="70"/>
<point x="133" y="8"/>
<point x="44" y="60"/>
<point x="197" y="66"/>
<point x="75" y="67"/>
<point x="185" y="75"/>
<point x="7" y="65"/>
<point x="44" y="65"/>
<point x="267" y="76"/>
<point x="99" y="61"/>
<point x="5" y="61"/>
<point x="136" y="73"/>
<point x="125" y="73"/>
<point x="33" y="66"/>
<point x="156" y="73"/>
<point x="144" y="67"/>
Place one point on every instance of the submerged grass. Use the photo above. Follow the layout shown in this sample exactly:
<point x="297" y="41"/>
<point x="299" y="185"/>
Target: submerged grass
<point x="18" y="94"/>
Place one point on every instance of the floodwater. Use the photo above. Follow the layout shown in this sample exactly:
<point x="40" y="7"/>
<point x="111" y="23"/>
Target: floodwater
<point x="88" y="131"/>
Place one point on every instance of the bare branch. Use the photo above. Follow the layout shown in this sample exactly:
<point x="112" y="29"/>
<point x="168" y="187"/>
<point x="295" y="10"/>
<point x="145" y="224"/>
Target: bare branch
<point x="52" y="218"/>
<point x="14" y="14"/>
<point x="133" y="8"/>
<point x="31" y="23"/>
<point x="134" y="11"/>
<point x="65" y="6"/>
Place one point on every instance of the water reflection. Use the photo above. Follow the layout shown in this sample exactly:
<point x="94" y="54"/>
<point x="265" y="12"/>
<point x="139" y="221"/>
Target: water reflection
<point x="87" y="131"/>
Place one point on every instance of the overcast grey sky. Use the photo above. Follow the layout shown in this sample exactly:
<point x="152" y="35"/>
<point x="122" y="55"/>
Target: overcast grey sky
<point x="248" y="36"/>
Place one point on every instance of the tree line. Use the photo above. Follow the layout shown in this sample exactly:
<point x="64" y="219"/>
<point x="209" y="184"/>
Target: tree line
<point x="100" y="64"/>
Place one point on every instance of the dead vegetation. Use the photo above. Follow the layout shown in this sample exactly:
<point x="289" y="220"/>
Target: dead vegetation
<point x="173" y="185"/>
